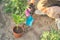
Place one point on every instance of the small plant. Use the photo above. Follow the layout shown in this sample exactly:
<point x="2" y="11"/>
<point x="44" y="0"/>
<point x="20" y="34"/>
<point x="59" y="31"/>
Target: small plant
<point x="18" y="30"/>
<point x="51" y="35"/>
<point x="17" y="9"/>
<point x="18" y="19"/>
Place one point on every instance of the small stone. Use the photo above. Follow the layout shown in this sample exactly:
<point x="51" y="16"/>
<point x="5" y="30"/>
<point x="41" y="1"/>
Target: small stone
<point x="58" y="23"/>
<point x="0" y="35"/>
<point x="1" y="25"/>
<point x="39" y="12"/>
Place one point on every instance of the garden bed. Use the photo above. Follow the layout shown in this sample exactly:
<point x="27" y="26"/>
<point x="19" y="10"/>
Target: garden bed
<point x="41" y="23"/>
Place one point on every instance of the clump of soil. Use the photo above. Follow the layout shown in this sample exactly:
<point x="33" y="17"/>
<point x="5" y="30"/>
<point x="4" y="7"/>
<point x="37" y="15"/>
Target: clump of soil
<point x="19" y="30"/>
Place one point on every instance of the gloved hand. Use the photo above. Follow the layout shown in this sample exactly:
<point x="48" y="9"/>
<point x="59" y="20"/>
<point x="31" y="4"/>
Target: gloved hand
<point x="32" y="7"/>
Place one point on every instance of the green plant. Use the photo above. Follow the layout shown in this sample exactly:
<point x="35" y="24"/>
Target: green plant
<point x="18" y="19"/>
<point x="15" y="6"/>
<point x="51" y="35"/>
<point x="17" y="9"/>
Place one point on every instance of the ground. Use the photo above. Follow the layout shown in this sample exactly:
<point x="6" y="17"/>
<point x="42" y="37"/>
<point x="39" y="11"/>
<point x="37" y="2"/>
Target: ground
<point x="41" y="23"/>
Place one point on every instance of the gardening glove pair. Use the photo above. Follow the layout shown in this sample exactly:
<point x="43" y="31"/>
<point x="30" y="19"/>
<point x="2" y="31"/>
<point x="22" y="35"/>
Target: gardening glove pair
<point x="29" y="19"/>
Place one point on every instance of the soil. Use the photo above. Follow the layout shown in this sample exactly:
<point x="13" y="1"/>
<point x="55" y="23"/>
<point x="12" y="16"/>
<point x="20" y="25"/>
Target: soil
<point x="44" y="21"/>
<point x="19" y="30"/>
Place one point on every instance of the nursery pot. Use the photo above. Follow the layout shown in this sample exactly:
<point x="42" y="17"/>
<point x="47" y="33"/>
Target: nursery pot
<point x="18" y="32"/>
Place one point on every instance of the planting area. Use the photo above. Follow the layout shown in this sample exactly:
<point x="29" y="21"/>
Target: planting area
<point x="40" y="24"/>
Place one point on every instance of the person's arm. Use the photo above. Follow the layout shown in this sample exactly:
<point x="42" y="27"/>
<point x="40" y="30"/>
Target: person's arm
<point x="41" y="7"/>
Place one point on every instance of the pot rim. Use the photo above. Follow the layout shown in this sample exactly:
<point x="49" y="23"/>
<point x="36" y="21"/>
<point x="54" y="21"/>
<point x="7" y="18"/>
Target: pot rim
<point x="18" y="33"/>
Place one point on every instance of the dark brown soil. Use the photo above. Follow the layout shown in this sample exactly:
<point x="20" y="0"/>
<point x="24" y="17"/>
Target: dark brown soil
<point x="19" y="30"/>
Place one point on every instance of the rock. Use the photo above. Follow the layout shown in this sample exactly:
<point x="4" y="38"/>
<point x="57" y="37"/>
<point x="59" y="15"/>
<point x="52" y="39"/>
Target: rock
<point x="1" y="25"/>
<point x="57" y="21"/>
<point x="39" y="12"/>
<point x="0" y="36"/>
<point x="2" y="21"/>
